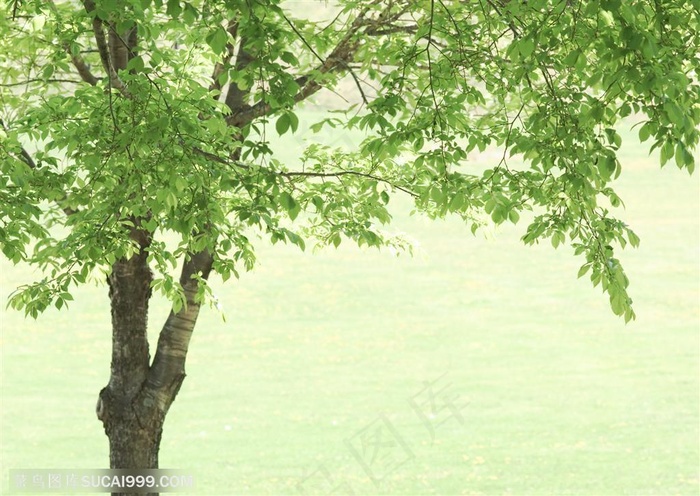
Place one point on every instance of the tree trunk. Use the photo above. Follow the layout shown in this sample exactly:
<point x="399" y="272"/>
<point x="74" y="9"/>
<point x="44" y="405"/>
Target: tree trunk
<point x="133" y="430"/>
<point x="134" y="433"/>
<point x="133" y="405"/>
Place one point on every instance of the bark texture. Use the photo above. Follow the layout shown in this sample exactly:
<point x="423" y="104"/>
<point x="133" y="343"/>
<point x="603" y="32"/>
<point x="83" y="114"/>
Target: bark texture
<point x="133" y="405"/>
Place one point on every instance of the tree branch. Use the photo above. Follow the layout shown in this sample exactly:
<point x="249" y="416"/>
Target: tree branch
<point x="77" y="60"/>
<point x="292" y="174"/>
<point x="338" y="58"/>
<point x="168" y="369"/>
<point x="358" y="83"/>
<point x="311" y="49"/>
<point x="119" y="50"/>
<point x="103" y="49"/>
<point x="301" y="37"/>
<point x="348" y="173"/>
<point x="81" y="67"/>
<point x="408" y="29"/>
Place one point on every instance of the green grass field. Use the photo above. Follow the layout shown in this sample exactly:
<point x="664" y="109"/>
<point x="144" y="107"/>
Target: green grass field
<point x="323" y="353"/>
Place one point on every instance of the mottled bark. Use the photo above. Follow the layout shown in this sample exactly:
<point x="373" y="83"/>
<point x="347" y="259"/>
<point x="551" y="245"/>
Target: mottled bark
<point x="133" y="430"/>
<point x="133" y="405"/>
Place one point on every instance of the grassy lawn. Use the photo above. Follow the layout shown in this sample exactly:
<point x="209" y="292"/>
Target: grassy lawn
<point x="327" y="361"/>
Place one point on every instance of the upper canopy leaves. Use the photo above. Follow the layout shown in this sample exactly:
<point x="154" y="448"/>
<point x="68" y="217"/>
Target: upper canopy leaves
<point x="123" y="115"/>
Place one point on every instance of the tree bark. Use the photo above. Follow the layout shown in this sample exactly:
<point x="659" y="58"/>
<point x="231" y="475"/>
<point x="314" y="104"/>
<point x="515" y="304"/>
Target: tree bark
<point x="133" y="405"/>
<point x="133" y="431"/>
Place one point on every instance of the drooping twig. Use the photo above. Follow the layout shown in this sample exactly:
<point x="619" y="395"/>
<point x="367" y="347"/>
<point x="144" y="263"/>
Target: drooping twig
<point x="29" y="160"/>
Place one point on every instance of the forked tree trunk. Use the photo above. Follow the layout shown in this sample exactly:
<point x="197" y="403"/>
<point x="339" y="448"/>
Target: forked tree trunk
<point x="133" y="405"/>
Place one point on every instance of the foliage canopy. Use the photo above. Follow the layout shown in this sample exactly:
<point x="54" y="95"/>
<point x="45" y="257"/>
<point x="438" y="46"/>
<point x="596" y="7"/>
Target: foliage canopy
<point x="153" y="116"/>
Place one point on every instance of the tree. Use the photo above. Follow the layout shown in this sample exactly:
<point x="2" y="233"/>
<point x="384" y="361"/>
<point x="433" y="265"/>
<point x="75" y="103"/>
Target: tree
<point x="128" y="122"/>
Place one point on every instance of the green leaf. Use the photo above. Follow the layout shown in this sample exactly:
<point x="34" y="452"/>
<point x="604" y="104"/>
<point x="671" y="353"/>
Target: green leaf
<point x="335" y="239"/>
<point x="513" y="216"/>
<point x="289" y="204"/>
<point x="645" y="131"/>
<point x="48" y="71"/>
<point x="674" y="113"/>
<point x="190" y="14"/>
<point x="667" y="152"/>
<point x="584" y="268"/>
<point x="683" y="157"/>
<point x="136" y="64"/>
<point x="608" y="166"/>
<point x="526" y="47"/>
<point x="217" y="40"/>
<point x="571" y="59"/>
<point x="297" y="240"/>
<point x="177" y="305"/>
<point x="174" y="9"/>
<point x="283" y="123"/>
<point x="293" y="121"/>
<point x="289" y="58"/>
<point x="633" y="238"/>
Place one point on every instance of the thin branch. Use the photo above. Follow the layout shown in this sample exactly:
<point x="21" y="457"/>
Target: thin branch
<point x="430" y="63"/>
<point x="408" y="29"/>
<point x="15" y="8"/>
<point x="292" y="174"/>
<point x="347" y="173"/>
<point x="301" y="37"/>
<point x="40" y="80"/>
<point x="358" y="84"/>
<point x="27" y="158"/>
<point x="511" y="26"/>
